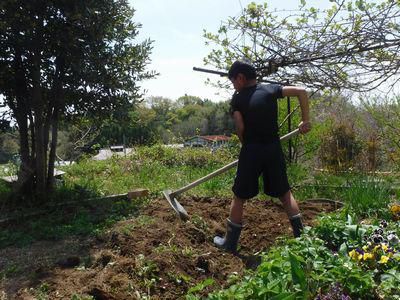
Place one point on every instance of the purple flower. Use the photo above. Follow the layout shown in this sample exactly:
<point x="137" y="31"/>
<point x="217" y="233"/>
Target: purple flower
<point x="383" y="224"/>
<point x="361" y="251"/>
<point x="377" y="238"/>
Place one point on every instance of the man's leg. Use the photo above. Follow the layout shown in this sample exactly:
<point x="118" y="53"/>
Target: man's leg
<point x="293" y="212"/>
<point x="236" y="212"/>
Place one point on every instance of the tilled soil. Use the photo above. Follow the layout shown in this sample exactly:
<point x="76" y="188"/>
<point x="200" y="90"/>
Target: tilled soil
<point x="155" y="254"/>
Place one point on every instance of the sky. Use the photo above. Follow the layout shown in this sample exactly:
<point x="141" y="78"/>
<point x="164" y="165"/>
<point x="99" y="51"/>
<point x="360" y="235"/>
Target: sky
<point x="176" y="26"/>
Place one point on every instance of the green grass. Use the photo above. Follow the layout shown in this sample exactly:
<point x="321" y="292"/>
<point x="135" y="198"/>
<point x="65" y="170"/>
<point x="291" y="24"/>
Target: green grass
<point x="116" y="176"/>
<point x="89" y="218"/>
<point x="158" y="168"/>
<point x="367" y="197"/>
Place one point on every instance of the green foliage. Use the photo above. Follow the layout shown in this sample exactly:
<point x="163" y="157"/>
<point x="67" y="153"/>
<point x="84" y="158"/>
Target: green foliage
<point x="297" y="37"/>
<point x="199" y="287"/>
<point x="193" y="157"/>
<point x="8" y="146"/>
<point x="386" y="114"/>
<point x="388" y="288"/>
<point x="78" y="297"/>
<point x="367" y="197"/>
<point x="79" y="219"/>
<point x="151" y="167"/>
<point x="340" y="233"/>
<point x="65" y="59"/>
<point x="9" y="271"/>
<point x="339" y="148"/>
<point x="297" y="270"/>
<point x="307" y="268"/>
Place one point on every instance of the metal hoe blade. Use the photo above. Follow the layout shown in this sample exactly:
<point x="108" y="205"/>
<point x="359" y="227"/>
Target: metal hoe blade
<point x="178" y="208"/>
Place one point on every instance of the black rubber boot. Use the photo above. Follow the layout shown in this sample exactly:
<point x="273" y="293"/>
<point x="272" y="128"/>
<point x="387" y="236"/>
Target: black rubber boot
<point x="230" y="241"/>
<point x="297" y="225"/>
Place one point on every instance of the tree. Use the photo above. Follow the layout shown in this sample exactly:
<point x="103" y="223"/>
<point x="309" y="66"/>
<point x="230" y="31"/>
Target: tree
<point x="65" y="58"/>
<point x="353" y="45"/>
<point x="386" y="114"/>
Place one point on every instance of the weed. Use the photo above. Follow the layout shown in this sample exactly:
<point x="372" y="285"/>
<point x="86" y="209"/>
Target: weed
<point x="146" y="268"/>
<point x="199" y="222"/>
<point x="170" y="247"/>
<point x="143" y="220"/>
<point x="41" y="292"/>
<point x="127" y="229"/>
<point x="166" y="248"/>
<point x="199" y="287"/>
<point x="367" y="197"/>
<point x="9" y="271"/>
<point x="83" y="219"/>
<point x="179" y="278"/>
<point x="188" y="251"/>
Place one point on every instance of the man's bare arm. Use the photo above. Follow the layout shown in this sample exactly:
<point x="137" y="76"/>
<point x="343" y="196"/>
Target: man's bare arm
<point x="239" y="124"/>
<point x="301" y="94"/>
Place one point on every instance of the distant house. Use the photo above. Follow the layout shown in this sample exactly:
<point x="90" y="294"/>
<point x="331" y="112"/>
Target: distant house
<point x="211" y="141"/>
<point x="113" y="150"/>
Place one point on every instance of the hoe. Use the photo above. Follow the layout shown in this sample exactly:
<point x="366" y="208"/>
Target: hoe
<point x="171" y="195"/>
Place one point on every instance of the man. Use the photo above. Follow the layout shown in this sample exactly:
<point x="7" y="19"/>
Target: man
<point x="255" y="113"/>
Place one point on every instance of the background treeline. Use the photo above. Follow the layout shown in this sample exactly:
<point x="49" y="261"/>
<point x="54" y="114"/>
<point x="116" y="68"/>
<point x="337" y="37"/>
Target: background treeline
<point x="363" y="136"/>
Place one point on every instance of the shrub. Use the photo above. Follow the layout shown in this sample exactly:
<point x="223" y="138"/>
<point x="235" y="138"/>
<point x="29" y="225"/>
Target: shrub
<point x="339" y="148"/>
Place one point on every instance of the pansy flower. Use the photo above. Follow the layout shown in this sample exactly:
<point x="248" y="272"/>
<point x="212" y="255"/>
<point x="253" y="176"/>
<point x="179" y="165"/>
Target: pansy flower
<point x="368" y="255"/>
<point x="384" y="259"/>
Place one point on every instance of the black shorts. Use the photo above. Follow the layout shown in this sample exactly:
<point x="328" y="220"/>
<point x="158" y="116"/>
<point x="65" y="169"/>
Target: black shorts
<point x="257" y="159"/>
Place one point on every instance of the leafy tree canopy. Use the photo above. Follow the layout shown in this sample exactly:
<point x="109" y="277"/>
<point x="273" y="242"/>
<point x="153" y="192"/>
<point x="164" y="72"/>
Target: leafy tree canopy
<point x="70" y="58"/>
<point x="352" y="45"/>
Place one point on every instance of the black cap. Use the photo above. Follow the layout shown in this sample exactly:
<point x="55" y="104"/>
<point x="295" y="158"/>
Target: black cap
<point x="243" y="67"/>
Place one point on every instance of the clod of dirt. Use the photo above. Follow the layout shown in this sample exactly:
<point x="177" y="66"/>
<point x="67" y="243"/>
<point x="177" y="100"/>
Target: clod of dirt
<point x="104" y="258"/>
<point x="99" y="294"/>
<point x="203" y="264"/>
<point x="196" y="235"/>
<point x="69" y="262"/>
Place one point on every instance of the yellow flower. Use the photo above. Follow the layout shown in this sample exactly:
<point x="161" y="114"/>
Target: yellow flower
<point x="368" y="256"/>
<point x="377" y="247"/>
<point x="384" y="259"/>
<point x="395" y="208"/>
<point x="352" y="254"/>
<point x="365" y="248"/>
<point x="384" y="247"/>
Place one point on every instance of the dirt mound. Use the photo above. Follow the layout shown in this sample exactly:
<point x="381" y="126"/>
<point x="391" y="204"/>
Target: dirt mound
<point x="154" y="254"/>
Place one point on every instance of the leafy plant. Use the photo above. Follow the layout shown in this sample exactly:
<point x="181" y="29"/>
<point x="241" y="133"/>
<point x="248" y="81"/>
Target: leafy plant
<point x="297" y="270"/>
<point x="367" y="197"/>
<point x="199" y="287"/>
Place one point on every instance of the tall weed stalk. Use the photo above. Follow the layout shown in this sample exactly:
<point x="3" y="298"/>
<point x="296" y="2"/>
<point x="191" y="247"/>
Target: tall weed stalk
<point x="367" y="197"/>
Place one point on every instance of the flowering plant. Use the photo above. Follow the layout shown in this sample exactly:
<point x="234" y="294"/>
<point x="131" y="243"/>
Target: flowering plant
<point x="373" y="256"/>
<point x="395" y="211"/>
<point x="335" y="293"/>
<point x="380" y="251"/>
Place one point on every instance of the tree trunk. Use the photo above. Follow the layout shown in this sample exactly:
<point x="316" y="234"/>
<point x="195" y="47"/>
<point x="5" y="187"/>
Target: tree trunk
<point x="53" y="148"/>
<point x="57" y="100"/>
<point x="24" y="183"/>
<point x="38" y="108"/>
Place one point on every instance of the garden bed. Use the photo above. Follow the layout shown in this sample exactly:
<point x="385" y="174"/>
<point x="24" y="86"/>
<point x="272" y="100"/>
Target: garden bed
<point x="154" y="254"/>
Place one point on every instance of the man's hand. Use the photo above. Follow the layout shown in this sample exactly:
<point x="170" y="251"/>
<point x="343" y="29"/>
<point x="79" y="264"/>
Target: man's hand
<point x="304" y="127"/>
